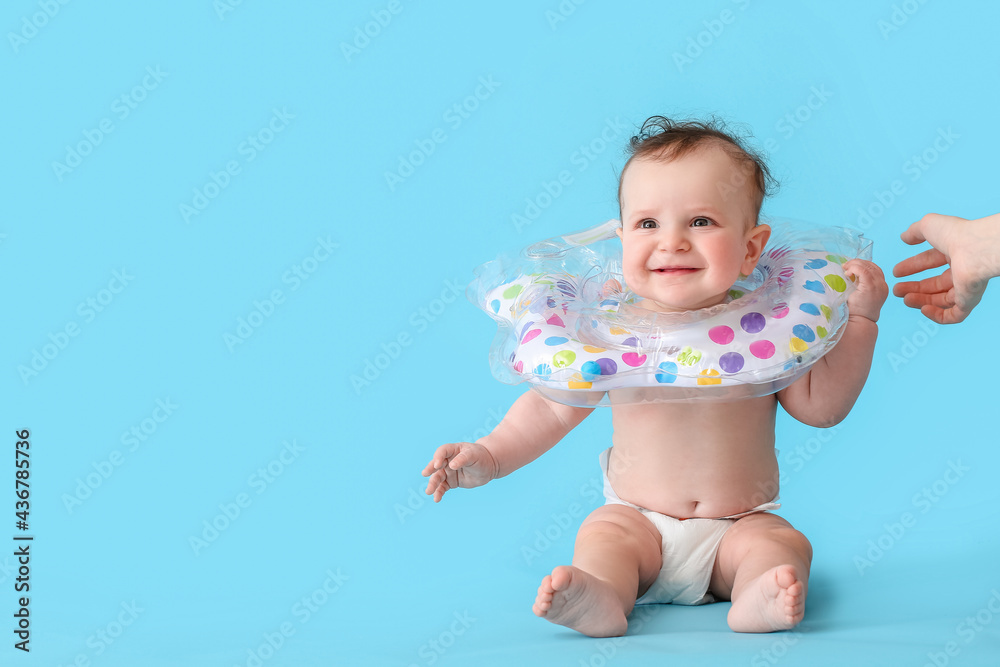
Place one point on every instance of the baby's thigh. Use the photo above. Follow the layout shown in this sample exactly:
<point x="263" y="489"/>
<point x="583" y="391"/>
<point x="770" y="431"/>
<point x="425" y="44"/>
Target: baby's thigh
<point x="624" y="527"/>
<point x="760" y="534"/>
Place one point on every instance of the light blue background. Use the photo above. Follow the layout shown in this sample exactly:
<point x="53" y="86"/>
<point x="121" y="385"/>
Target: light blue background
<point x="350" y="502"/>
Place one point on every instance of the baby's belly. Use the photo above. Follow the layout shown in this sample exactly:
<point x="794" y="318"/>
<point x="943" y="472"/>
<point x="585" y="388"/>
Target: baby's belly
<point x="695" y="459"/>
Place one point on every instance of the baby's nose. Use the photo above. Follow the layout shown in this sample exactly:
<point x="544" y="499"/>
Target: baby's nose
<point x="673" y="240"/>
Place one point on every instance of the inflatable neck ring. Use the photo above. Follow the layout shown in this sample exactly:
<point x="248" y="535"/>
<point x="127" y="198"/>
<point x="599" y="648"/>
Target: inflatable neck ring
<point x="569" y="325"/>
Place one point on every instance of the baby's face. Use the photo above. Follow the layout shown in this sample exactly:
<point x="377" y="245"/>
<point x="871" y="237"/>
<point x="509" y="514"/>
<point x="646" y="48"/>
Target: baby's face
<point x="688" y="229"/>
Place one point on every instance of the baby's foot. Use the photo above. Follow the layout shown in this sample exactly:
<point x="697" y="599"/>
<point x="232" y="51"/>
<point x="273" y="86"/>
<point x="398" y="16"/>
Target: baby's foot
<point x="581" y="601"/>
<point x="773" y="601"/>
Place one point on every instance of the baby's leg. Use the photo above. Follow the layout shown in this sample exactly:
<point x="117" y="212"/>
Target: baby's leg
<point x="616" y="558"/>
<point x="763" y="567"/>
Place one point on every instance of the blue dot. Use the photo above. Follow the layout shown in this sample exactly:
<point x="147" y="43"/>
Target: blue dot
<point x="809" y="308"/>
<point x="815" y="286"/>
<point x="815" y="264"/>
<point x="668" y="372"/>
<point x="556" y="340"/>
<point x="803" y="332"/>
<point x="495" y="305"/>
<point x="590" y="370"/>
<point x="542" y="370"/>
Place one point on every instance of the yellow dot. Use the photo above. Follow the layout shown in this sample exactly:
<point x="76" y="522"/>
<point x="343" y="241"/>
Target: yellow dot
<point x="798" y="346"/>
<point x="577" y="382"/>
<point x="709" y="376"/>
<point x="618" y="331"/>
<point x="592" y="349"/>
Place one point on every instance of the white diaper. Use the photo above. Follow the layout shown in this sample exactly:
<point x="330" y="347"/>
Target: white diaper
<point x="689" y="549"/>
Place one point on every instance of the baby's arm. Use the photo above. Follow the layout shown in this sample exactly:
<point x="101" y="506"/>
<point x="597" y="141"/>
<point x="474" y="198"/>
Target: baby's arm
<point x="824" y="395"/>
<point x="530" y="428"/>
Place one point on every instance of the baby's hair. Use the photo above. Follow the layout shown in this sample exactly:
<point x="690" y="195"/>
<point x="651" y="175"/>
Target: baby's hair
<point x="661" y="138"/>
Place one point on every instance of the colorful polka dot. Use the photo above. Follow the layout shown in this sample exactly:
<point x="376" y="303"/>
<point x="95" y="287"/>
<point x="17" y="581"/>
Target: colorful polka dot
<point x="815" y="286"/>
<point x="753" y="322"/>
<point x="815" y="264"/>
<point x="721" y="335"/>
<point x="555" y="340"/>
<point x="607" y="366"/>
<point x="803" y="332"/>
<point x="709" y="376"/>
<point x="563" y="358"/>
<point x="512" y="291"/>
<point x="590" y="370"/>
<point x="633" y="359"/>
<point x="667" y="372"/>
<point x="689" y="356"/>
<point x="762" y="349"/>
<point x="809" y="308"/>
<point x="731" y="362"/>
<point x="836" y="282"/>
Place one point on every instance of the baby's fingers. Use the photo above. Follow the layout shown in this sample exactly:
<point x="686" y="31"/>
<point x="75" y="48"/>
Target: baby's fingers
<point x="441" y="457"/>
<point x="437" y="485"/>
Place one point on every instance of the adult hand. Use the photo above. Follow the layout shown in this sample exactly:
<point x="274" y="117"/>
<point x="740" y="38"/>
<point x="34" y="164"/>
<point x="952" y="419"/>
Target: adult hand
<point x="970" y="248"/>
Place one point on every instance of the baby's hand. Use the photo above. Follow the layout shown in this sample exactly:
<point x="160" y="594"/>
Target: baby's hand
<point x="459" y="465"/>
<point x="870" y="290"/>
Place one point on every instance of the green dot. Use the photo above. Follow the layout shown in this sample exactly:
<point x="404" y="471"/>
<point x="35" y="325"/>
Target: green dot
<point x="735" y="293"/>
<point x="836" y="282"/>
<point x="512" y="291"/>
<point x="827" y="312"/>
<point x="821" y="331"/>
<point x="839" y="259"/>
<point x="563" y="359"/>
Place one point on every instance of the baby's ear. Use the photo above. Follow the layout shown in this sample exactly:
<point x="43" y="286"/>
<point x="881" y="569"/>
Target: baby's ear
<point x="756" y="240"/>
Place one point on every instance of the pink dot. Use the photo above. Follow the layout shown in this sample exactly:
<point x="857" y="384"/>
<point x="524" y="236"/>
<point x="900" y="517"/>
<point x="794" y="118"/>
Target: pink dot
<point x="530" y="335"/>
<point x="721" y="335"/>
<point x="762" y="349"/>
<point x="779" y="311"/>
<point x="556" y="321"/>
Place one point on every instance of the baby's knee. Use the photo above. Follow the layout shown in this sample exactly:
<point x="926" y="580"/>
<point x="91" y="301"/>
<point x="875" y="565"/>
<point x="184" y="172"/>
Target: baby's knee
<point x="793" y="539"/>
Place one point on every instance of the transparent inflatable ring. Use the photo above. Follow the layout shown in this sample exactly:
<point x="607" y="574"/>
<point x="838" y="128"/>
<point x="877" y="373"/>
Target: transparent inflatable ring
<point x="569" y="325"/>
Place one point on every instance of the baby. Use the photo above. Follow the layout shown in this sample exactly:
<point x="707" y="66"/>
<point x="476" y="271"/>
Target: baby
<point x="683" y="521"/>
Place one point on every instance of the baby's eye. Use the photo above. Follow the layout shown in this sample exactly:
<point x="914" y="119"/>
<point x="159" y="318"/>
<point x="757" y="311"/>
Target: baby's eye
<point x="647" y="224"/>
<point x="701" y="222"/>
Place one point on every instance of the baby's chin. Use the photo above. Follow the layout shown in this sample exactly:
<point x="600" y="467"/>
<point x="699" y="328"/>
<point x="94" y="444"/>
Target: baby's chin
<point x="658" y="307"/>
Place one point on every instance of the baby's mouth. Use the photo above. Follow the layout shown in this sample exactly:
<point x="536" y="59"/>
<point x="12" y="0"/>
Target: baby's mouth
<point x="675" y="270"/>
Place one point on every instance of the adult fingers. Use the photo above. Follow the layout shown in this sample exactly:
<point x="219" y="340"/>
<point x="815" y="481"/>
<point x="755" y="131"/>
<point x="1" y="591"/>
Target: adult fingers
<point x="928" y="259"/>
<point x="932" y="285"/>
<point x="952" y="315"/>
<point x="941" y="300"/>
